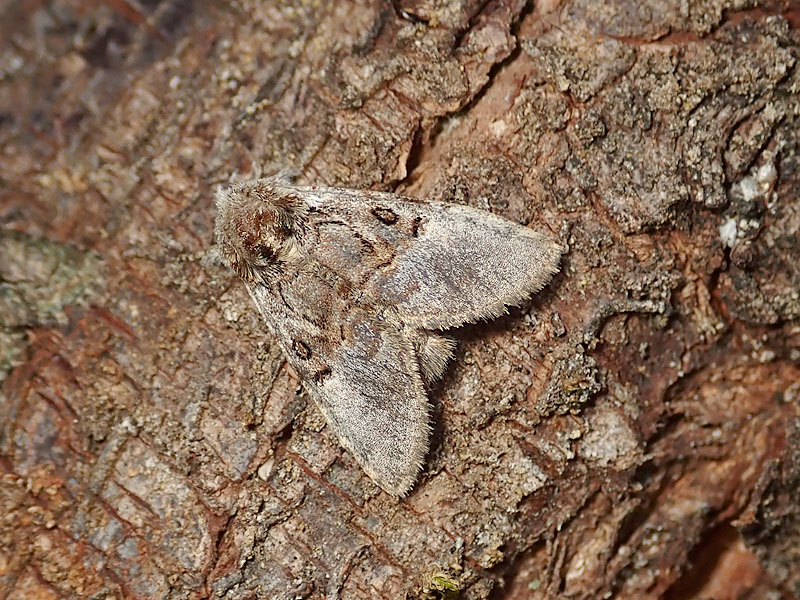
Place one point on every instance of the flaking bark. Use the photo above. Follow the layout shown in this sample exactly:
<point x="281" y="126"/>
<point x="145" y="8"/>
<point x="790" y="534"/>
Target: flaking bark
<point x="634" y="430"/>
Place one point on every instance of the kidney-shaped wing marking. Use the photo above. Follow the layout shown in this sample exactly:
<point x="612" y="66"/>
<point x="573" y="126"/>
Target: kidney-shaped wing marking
<point x="440" y="265"/>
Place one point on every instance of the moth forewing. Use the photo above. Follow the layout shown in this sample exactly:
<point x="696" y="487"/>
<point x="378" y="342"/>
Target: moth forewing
<point x="465" y="265"/>
<point x="375" y="402"/>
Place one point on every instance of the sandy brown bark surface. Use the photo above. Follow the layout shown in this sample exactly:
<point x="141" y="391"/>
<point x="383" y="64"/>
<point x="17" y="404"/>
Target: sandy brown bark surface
<point x="631" y="432"/>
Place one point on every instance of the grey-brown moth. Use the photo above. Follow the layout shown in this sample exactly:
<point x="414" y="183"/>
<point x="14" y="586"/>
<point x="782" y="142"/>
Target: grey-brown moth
<point x="356" y="287"/>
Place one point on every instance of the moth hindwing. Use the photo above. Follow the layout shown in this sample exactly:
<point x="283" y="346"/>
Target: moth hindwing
<point x="356" y="286"/>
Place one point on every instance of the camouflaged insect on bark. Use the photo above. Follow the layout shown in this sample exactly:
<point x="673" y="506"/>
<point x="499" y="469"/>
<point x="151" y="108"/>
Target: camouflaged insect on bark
<point x="357" y="285"/>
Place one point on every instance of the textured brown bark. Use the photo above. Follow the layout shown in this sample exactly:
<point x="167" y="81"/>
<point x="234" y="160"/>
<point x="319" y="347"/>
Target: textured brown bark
<point x="633" y="432"/>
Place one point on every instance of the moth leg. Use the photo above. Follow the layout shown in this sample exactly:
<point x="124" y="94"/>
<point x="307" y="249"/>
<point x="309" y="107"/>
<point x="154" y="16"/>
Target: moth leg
<point x="434" y="352"/>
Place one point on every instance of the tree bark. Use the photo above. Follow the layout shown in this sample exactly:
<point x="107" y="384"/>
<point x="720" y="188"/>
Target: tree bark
<point x="632" y="431"/>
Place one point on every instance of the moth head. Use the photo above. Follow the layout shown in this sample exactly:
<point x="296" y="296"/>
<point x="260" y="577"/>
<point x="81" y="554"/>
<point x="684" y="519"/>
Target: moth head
<point x="256" y="224"/>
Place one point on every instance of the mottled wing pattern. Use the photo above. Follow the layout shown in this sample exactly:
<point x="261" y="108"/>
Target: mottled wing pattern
<point x="439" y="265"/>
<point x="361" y="371"/>
<point x="354" y="283"/>
<point x="375" y="401"/>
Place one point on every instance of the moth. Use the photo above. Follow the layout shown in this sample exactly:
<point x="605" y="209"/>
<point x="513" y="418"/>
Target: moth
<point x="357" y="286"/>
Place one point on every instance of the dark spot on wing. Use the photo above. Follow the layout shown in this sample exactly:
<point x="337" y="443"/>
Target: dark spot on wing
<point x="321" y="375"/>
<point x="367" y="246"/>
<point x="385" y="215"/>
<point x="415" y="226"/>
<point x="301" y="350"/>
